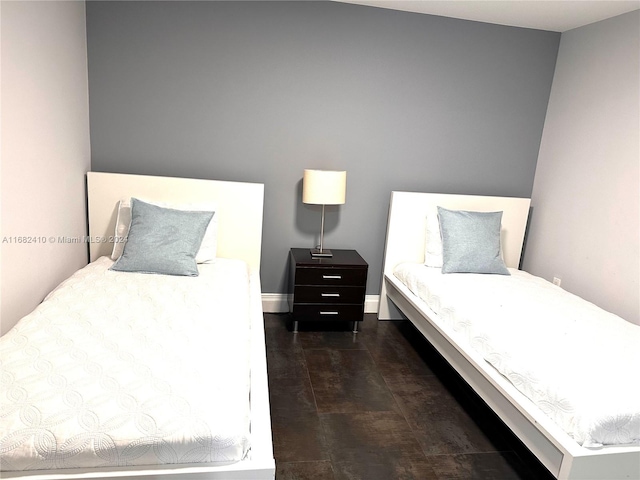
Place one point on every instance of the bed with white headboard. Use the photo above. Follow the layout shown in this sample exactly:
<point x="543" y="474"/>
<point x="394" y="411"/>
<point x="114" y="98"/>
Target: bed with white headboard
<point x="239" y="215"/>
<point x="407" y="229"/>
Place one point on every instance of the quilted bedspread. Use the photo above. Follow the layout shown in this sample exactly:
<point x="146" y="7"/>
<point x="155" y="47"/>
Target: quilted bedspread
<point x="578" y="363"/>
<point x="119" y="369"/>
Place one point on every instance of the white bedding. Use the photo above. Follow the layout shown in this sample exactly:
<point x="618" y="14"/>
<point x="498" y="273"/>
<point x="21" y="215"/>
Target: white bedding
<point x="120" y="369"/>
<point x="578" y="363"/>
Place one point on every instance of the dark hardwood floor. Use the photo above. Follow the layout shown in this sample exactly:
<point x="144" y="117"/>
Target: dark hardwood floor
<point x="380" y="404"/>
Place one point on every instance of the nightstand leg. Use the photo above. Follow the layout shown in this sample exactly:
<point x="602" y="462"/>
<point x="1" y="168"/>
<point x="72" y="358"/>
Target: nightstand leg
<point x="295" y="326"/>
<point x="355" y="327"/>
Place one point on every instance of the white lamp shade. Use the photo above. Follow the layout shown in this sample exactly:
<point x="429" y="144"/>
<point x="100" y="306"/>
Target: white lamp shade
<point x="324" y="187"/>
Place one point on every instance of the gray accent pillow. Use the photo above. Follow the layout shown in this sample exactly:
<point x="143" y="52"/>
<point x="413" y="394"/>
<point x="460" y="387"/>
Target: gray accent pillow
<point x="162" y="240"/>
<point x="471" y="242"/>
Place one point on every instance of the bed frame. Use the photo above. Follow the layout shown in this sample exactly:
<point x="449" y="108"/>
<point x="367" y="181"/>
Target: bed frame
<point x="240" y="207"/>
<point x="405" y="242"/>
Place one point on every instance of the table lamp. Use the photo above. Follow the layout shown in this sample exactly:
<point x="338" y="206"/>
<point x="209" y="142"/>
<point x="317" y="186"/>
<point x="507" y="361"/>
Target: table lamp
<point x="323" y="187"/>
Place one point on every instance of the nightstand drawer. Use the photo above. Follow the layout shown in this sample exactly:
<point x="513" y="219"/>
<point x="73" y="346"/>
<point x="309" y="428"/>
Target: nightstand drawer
<point x="328" y="294"/>
<point x="348" y="313"/>
<point x="331" y="276"/>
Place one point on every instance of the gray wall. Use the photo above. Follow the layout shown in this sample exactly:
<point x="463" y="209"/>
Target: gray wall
<point x="45" y="150"/>
<point x="585" y="226"/>
<point x="259" y="91"/>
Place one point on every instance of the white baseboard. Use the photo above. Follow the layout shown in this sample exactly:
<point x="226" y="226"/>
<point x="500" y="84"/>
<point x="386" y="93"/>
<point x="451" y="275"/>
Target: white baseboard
<point x="371" y="303"/>
<point x="275" y="303"/>
<point x="278" y="303"/>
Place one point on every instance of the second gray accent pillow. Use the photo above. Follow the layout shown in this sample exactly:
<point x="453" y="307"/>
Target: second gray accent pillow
<point x="162" y="240"/>
<point x="471" y="242"/>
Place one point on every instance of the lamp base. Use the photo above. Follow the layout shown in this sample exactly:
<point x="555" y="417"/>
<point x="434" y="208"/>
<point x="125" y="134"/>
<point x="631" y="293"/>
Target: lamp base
<point x="316" y="252"/>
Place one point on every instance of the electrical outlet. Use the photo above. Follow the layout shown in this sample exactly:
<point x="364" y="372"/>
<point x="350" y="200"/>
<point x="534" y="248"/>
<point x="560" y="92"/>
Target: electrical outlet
<point x="557" y="281"/>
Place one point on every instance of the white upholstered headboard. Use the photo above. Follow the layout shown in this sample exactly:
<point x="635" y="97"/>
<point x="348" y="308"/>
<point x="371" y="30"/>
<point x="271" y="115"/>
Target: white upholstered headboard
<point x="406" y="227"/>
<point x="240" y="209"/>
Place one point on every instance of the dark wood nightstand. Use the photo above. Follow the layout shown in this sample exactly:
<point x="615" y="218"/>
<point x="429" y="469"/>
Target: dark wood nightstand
<point x="327" y="288"/>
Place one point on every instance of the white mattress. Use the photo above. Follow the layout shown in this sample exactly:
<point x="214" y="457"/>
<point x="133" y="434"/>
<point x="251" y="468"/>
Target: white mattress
<point x="121" y="369"/>
<point x="578" y="363"/>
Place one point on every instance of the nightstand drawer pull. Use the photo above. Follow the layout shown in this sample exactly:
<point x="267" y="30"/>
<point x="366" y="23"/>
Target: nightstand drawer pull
<point x="336" y="295"/>
<point x="328" y="313"/>
<point x="332" y="277"/>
